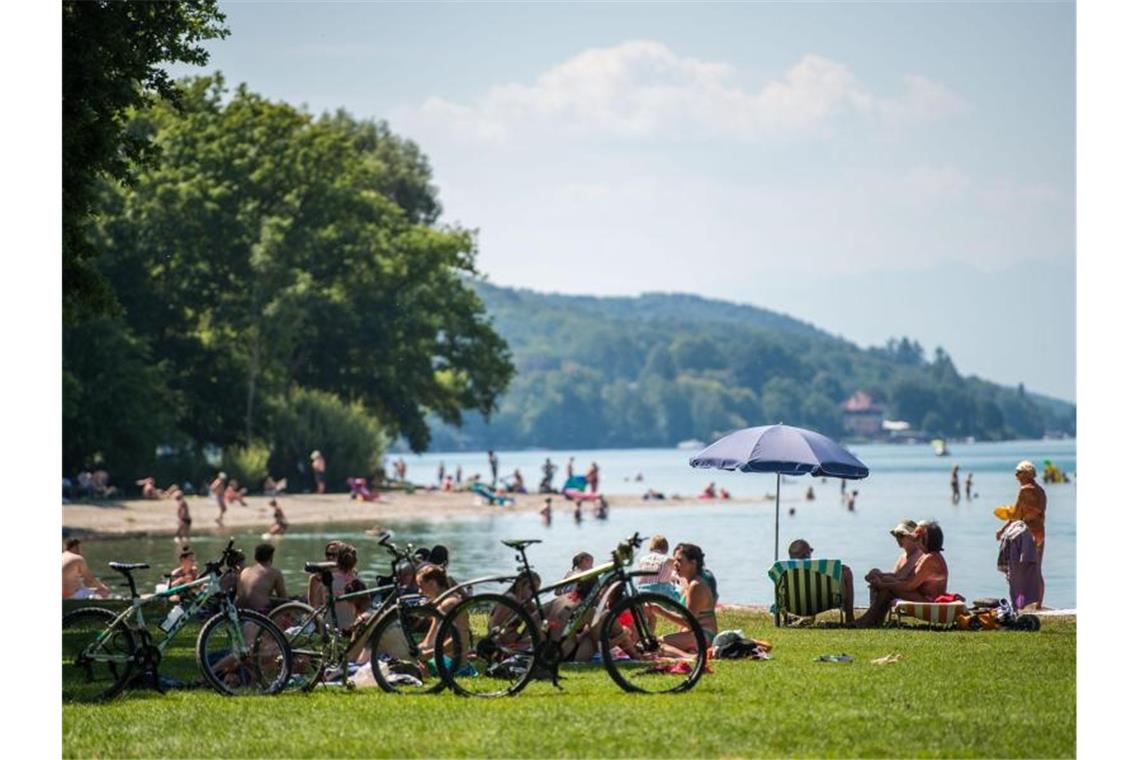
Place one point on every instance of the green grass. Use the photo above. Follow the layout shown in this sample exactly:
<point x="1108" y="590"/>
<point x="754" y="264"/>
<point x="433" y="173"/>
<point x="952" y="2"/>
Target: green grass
<point x="959" y="694"/>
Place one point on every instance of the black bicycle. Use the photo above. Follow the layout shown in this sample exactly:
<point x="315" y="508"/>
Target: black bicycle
<point x="648" y="642"/>
<point x="393" y="633"/>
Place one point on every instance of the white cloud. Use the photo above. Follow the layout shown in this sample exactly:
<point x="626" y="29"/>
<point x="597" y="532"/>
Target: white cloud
<point x="642" y="89"/>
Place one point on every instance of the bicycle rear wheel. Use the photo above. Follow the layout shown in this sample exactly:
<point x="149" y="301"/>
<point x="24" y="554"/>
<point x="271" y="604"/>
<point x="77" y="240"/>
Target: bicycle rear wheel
<point x="501" y="656"/>
<point x="98" y="658"/>
<point x="304" y="629"/>
<point x="662" y="646"/>
<point x="244" y="658"/>
<point x="400" y="650"/>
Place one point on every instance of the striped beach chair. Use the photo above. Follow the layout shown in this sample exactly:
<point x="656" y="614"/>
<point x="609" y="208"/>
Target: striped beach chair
<point x="806" y="587"/>
<point x="942" y="615"/>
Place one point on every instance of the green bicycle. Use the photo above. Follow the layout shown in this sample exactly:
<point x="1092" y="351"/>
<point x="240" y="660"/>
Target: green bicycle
<point x="648" y="642"/>
<point x="239" y="651"/>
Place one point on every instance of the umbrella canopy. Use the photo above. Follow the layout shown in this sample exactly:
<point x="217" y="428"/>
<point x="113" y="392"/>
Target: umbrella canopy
<point x="782" y="449"/>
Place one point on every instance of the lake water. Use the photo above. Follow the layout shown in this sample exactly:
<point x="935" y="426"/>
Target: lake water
<point x="737" y="535"/>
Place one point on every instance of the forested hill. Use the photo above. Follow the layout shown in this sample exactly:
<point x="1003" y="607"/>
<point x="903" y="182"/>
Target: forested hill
<point x="661" y="368"/>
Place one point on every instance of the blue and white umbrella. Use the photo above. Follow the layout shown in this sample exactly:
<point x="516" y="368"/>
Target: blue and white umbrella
<point x="782" y="449"/>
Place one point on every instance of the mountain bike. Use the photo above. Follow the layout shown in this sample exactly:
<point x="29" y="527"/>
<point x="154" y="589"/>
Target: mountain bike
<point x="393" y="633"/>
<point x="648" y="642"/>
<point x="239" y="651"/>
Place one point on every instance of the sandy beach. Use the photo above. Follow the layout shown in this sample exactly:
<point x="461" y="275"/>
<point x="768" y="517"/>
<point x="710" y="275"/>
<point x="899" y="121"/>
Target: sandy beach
<point x="157" y="517"/>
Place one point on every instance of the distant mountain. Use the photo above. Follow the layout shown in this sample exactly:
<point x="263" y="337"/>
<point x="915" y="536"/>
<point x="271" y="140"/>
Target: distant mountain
<point x="659" y="368"/>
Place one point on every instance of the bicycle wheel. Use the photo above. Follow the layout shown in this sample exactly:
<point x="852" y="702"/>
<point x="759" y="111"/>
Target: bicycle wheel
<point x="401" y="654"/>
<point x="246" y="657"/>
<point x="98" y="657"/>
<point x="661" y="644"/>
<point x="304" y="629"/>
<point x="500" y="658"/>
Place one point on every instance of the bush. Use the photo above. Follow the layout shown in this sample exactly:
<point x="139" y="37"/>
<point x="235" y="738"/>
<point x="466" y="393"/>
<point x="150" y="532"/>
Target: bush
<point x="249" y="464"/>
<point x="350" y="440"/>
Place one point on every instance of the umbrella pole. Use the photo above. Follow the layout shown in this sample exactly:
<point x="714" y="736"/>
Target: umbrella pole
<point x="777" y="557"/>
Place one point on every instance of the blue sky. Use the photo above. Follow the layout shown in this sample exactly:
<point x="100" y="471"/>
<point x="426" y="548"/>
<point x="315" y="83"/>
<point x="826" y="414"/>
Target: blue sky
<point x="876" y="169"/>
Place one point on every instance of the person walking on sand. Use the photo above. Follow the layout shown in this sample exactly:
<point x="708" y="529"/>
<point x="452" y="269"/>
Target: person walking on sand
<point x="1030" y="509"/>
<point x="493" y="460"/>
<point x="280" y="524"/>
<point x="955" y="494"/>
<point x="592" y="477"/>
<point x="184" y="521"/>
<point x="218" y="489"/>
<point x="318" y="464"/>
<point x="548" y="470"/>
<point x="78" y="580"/>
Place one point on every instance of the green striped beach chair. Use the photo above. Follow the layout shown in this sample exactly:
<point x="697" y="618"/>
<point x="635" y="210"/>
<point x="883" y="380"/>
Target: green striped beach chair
<point x="806" y="587"/>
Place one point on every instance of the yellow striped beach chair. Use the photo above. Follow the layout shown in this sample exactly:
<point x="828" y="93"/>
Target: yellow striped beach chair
<point x="936" y="614"/>
<point x="806" y="587"/>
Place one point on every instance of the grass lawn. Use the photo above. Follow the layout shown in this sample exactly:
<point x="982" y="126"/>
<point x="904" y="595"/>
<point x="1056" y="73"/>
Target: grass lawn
<point x="957" y="694"/>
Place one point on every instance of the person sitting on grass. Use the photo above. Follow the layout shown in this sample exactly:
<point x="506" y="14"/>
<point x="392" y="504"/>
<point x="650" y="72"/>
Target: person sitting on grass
<point x="659" y="561"/>
<point x="581" y="562"/>
<point x="522" y="592"/>
<point x="262" y="584"/>
<point x="186" y="571"/>
<point x="344" y="574"/>
<point x="801" y="549"/>
<point x="926" y="584"/>
<point x="697" y="596"/>
<point x="904" y="565"/>
<point x="431" y="580"/>
<point x="78" y="580"/>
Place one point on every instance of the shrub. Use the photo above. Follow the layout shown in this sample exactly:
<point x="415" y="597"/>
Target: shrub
<point x="350" y="439"/>
<point x="249" y="464"/>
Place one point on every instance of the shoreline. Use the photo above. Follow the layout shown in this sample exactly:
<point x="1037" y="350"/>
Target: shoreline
<point x="157" y="517"/>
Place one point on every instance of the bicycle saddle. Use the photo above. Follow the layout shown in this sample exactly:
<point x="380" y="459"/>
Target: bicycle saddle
<point x="316" y="567"/>
<point x="126" y="567"/>
<point x="520" y="544"/>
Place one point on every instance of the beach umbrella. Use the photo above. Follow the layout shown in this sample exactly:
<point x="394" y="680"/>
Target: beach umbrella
<point x="784" y="450"/>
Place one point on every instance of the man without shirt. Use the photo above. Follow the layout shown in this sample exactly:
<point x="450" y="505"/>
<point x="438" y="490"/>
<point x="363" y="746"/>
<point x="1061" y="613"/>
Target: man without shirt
<point x="259" y="584"/>
<point x="78" y="580"/>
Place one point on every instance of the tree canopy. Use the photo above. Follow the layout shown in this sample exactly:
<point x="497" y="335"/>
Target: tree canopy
<point x="263" y="250"/>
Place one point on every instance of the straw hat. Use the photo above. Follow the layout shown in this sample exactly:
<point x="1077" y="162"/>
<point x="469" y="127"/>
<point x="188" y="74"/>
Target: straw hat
<point x="904" y="528"/>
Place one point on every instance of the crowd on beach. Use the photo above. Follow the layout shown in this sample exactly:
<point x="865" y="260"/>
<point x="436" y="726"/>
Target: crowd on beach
<point x="919" y="574"/>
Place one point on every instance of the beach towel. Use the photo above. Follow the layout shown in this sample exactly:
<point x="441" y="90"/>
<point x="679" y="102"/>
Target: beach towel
<point x="934" y="613"/>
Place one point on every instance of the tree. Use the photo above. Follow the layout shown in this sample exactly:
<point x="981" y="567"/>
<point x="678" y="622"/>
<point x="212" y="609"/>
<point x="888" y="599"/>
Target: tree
<point x="112" y="56"/>
<point x="261" y="252"/>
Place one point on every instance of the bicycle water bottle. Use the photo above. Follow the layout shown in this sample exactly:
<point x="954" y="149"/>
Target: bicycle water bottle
<point x="172" y="618"/>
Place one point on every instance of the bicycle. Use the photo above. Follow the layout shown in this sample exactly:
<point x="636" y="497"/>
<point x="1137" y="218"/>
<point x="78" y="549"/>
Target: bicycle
<point x="239" y="651"/>
<point x="394" y="633"/>
<point x="644" y="638"/>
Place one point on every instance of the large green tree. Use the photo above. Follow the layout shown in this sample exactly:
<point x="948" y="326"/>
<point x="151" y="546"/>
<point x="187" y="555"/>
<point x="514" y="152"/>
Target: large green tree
<point x="112" y="62"/>
<point x="264" y="250"/>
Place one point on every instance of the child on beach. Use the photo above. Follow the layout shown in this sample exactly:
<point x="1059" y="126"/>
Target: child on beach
<point x="183" y="532"/>
<point x="279" y="522"/>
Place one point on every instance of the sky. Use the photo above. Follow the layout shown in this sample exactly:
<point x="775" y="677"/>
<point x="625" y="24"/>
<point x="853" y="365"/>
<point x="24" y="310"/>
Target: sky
<point x="878" y="170"/>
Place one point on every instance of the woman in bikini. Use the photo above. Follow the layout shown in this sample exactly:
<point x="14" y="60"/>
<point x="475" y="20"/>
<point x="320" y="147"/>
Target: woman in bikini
<point x="698" y="597"/>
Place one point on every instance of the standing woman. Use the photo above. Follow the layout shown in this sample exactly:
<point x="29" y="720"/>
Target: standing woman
<point x="1030" y="509"/>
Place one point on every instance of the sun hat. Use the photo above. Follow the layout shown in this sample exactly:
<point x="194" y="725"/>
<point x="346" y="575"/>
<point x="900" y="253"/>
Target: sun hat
<point x="1026" y="466"/>
<point x="904" y="528"/>
<point x="799" y="549"/>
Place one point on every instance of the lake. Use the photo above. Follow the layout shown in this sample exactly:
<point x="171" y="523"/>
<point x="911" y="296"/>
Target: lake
<point x="736" y="535"/>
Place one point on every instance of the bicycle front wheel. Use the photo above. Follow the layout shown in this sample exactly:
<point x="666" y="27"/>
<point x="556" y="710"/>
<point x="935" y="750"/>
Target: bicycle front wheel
<point x="501" y="652"/>
<point x="401" y="658"/>
<point x="653" y="644"/>
<point x="305" y="631"/>
<point x="98" y="655"/>
<point x="243" y="657"/>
